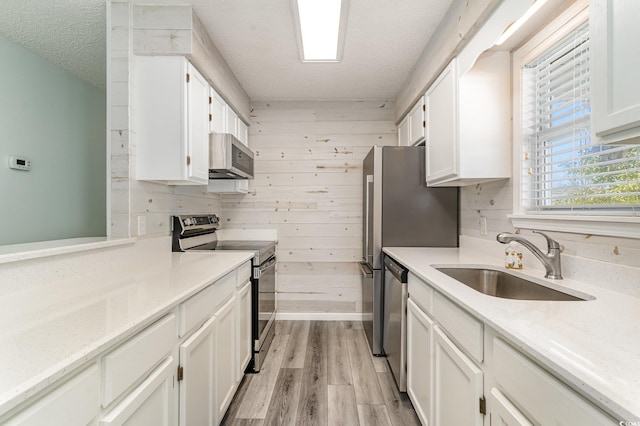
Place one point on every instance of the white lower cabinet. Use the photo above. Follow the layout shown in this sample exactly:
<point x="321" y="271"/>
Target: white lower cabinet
<point x="243" y="322"/>
<point x="419" y="361"/>
<point x="132" y="360"/>
<point x="457" y="385"/>
<point x="183" y="369"/>
<point x="225" y="357"/>
<point x="197" y="387"/>
<point x="452" y="380"/>
<point x="151" y="403"/>
<point x="503" y="412"/>
<point x="76" y="402"/>
<point x="545" y="399"/>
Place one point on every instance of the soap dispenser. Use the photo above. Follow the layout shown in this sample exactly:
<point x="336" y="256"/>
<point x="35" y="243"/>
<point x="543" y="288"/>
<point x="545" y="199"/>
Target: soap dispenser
<point x="512" y="256"/>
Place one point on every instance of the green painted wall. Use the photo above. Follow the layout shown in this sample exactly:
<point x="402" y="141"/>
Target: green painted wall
<point x="58" y="121"/>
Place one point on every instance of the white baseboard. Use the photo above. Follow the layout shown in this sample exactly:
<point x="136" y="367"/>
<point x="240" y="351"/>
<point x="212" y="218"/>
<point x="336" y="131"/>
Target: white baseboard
<point x="318" y="316"/>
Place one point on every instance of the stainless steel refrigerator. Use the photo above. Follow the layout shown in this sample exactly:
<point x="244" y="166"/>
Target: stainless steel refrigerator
<point x="399" y="210"/>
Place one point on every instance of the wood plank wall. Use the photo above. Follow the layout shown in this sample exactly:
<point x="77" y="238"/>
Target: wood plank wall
<point x="163" y="30"/>
<point x="308" y="185"/>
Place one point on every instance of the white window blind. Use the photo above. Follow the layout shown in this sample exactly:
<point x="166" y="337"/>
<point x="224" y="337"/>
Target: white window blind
<point x="562" y="168"/>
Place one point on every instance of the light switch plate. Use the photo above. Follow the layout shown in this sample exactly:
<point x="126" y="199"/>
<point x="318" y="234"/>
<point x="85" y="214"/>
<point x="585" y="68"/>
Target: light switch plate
<point x="483" y="225"/>
<point x="142" y="225"/>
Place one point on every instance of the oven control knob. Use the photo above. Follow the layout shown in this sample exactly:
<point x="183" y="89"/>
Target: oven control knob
<point x="187" y="221"/>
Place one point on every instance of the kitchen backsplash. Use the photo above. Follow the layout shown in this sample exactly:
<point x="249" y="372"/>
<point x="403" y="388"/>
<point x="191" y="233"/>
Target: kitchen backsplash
<point x="607" y="261"/>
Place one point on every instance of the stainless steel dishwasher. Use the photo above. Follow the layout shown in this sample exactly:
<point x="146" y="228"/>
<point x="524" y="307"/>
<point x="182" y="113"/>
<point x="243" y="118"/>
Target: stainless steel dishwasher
<point x="394" y="336"/>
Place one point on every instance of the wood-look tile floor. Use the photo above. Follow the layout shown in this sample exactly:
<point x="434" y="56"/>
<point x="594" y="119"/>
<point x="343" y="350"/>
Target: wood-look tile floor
<point x="320" y="373"/>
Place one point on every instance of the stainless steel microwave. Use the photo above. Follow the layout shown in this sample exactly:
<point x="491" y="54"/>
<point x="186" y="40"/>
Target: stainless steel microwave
<point x="229" y="158"/>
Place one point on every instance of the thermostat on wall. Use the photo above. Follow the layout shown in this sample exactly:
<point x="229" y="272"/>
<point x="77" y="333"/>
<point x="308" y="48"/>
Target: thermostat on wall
<point x="19" y="163"/>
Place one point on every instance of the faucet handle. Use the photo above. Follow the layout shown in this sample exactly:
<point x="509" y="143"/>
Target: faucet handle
<point x="551" y="243"/>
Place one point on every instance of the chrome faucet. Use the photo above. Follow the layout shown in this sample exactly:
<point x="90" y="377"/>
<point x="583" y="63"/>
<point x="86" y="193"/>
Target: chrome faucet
<point x="550" y="260"/>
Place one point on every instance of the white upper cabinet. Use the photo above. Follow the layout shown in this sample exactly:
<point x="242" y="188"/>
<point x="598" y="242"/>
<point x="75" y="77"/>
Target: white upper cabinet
<point x="198" y="119"/>
<point x="232" y="122"/>
<point x="411" y="129"/>
<point x="243" y="132"/>
<point x="467" y="123"/>
<point x="442" y="131"/>
<point x="615" y="58"/>
<point x="172" y="107"/>
<point x="403" y="132"/>
<point x="416" y="122"/>
<point x="218" y="110"/>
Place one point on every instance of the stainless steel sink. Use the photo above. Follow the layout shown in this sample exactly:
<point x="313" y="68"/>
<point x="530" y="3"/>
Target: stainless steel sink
<point x="505" y="285"/>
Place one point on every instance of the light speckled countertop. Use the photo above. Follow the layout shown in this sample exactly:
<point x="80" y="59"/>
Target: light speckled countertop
<point x="47" y="330"/>
<point x="593" y="345"/>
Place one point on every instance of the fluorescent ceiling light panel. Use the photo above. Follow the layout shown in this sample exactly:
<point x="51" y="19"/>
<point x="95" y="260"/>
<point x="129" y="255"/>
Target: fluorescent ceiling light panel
<point x="511" y="29"/>
<point x="320" y="27"/>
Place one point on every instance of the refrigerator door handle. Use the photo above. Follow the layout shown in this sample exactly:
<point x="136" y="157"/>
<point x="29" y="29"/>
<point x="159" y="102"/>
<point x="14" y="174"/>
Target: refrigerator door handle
<point x="368" y="212"/>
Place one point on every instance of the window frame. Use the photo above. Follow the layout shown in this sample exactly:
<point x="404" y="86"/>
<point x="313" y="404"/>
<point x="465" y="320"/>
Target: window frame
<point x="582" y="222"/>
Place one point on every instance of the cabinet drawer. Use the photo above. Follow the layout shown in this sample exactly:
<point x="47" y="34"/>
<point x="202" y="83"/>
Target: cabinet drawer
<point x="196" y="310"/>
<point x="244" y="274"/>
<point x="76" y="402"/>
<point x="151" y="403"/>
<point x="421" y="293"/>
<point x="128" y="363"/>
<point x="541" y="395"/>
<point x="461" y="326"/>
<point x="224" y="288"/>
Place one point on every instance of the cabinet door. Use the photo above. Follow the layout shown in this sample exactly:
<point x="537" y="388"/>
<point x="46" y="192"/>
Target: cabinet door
<point x="243" y="335"/>
<point x="197" y="388"/>
<point x="198" y="127"/>
<point x="218" y="111"/>
<point x="419" y="361"/>
<point x="151" y="403"/>
<point x="441" y="131"/>
<point x="232" y="122"/>
<point x="503" y="412"/>
<point x="615" y="60"/>
<point x="403" y="132"/>
<point x="243" y="132"/>
<point x="417" y="123"/>
<point x="225" y="352"/>
<point x="457" y="385"/>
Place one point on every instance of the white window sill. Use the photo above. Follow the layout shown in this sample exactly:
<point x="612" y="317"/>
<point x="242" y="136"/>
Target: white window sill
<point x="612" y="226"/>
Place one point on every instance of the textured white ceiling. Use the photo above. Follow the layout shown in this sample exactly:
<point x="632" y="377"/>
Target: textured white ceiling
<point x="68" y="33"/>
<point x="383" y="40"/>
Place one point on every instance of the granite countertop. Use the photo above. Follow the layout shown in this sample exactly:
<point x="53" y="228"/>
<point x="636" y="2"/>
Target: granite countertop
<point x="592" y="345"/>
<point x="48" y="330"/>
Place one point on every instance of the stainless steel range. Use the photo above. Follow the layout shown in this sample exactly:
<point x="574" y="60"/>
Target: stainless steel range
<point x="197" y="233"/>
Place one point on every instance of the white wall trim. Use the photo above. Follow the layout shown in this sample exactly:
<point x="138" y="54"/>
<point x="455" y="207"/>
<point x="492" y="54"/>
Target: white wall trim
<point x="27" y="251"/>
<point x="318" y="316"/>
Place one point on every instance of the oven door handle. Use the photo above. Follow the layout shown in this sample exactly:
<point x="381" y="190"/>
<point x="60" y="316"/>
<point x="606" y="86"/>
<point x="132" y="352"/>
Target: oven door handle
<point x="268" y="264"/>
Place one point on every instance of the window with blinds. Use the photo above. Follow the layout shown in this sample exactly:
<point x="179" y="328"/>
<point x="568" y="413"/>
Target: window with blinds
<point x="563" y="169"/>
